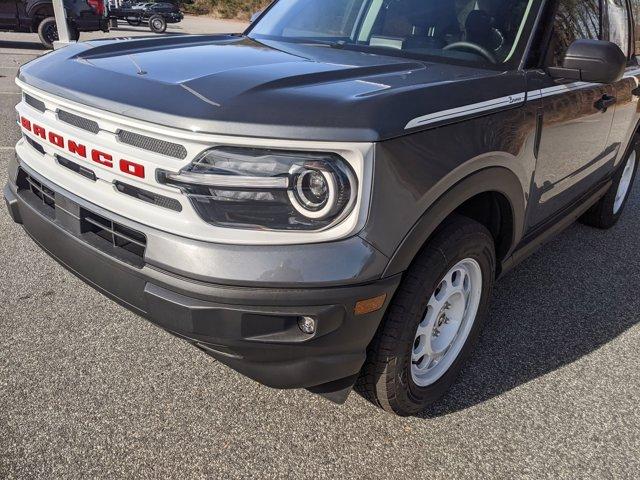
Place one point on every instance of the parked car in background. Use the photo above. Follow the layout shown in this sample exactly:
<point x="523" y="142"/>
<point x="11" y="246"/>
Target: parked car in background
<point x="327" y="199"/>
<point x="156" y="15"/>
<point x="164" y="7"/>
<point x="169" y="11"/>
<point x="37" y="16"/>
<point x="141" y="6"/>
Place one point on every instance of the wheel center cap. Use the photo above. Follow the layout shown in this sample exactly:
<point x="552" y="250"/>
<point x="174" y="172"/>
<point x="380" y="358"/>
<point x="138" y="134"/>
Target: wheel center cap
<point x="447" y="324"/>
<point x="447" y="321"/>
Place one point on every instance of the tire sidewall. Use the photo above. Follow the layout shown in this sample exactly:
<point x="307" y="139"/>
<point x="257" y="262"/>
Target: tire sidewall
<point x="152" y="24"/>
<point x="611" y="197"/>
<point x="44" y="31"/>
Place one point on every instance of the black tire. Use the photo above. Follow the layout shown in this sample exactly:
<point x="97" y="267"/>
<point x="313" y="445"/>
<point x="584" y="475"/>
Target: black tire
<point x="134" y="21"/>
<point x="74" y="33"/>
<point x="48" y="32"/>
<point x="386" y="378"/>
<point x="603" y="214"/>
<point x="157" y="23"/>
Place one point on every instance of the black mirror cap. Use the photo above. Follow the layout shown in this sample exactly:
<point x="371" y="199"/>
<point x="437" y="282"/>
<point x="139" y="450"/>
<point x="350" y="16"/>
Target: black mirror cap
<point x="596" y="61"/>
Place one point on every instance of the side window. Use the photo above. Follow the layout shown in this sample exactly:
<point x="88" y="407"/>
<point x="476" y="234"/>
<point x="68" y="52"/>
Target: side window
<point x="575" y="19"/>
<point x="635" y="10"/>
<point x="619" y="24"/>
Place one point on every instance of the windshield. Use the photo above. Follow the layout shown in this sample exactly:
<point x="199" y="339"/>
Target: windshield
<point x="477" y="31"/>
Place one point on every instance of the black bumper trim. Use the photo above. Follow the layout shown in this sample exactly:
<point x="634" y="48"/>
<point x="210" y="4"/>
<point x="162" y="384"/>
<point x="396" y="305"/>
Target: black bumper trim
<point x="252" y="330"/>
<point x="12" y="204"/>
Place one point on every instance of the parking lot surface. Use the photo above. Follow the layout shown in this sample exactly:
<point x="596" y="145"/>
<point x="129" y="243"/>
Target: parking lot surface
<point x="89" y="390"/>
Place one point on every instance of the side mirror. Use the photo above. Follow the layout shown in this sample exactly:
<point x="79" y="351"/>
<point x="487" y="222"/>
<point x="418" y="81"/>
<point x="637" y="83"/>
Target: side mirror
<point x="255" y="16"/>
<point x="594" y="61"/>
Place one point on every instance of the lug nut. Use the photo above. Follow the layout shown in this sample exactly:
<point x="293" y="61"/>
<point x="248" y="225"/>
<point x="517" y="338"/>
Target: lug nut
<point x="307" y="325"/>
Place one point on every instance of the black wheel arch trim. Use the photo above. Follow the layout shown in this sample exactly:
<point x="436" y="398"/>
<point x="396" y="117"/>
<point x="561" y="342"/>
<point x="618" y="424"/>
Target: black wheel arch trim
<point x="36" y="6"/>
<point x="491" y="179"/>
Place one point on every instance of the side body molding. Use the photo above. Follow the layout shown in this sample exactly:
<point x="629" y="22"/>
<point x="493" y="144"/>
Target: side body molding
<point x="492" y="179"/>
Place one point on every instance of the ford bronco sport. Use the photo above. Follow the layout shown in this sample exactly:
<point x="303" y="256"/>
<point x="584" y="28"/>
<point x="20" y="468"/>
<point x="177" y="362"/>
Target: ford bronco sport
<point x="327" y="199"/>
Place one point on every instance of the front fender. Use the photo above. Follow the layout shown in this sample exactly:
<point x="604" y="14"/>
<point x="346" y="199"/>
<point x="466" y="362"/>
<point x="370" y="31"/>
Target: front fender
<point x="491" y="179"/>
<point x="35" y="6"/>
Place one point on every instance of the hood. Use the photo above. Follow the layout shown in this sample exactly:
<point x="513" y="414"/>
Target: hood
<point x="238" y="86"/>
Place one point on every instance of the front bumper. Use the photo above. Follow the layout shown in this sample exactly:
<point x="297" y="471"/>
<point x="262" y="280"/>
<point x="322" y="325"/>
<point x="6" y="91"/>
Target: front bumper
<point x="173" y="17"/>
<point x="253" y="330"/>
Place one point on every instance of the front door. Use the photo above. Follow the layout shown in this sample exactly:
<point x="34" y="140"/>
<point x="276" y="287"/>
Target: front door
<point x="574" y="151"/>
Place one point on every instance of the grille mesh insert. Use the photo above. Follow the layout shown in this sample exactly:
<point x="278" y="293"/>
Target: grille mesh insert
<point x="35" y="103"/>
<point x="78" y="121"/>
<point x="152" y="144"/>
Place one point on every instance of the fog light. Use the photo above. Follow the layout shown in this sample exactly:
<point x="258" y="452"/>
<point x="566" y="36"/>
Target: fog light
<point x="307" y="325"/>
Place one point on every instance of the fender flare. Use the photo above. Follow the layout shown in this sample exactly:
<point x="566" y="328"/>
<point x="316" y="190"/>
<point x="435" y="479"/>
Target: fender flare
<point x="37" y="5"/>
<point x="491" y="179"/>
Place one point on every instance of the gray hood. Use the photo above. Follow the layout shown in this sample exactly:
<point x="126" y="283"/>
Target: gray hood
<point x="237" y="86"/>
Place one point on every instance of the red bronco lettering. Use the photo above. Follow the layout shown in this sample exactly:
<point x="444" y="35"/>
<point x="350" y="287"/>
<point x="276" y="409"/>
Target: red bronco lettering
<point x="103" y="158"/>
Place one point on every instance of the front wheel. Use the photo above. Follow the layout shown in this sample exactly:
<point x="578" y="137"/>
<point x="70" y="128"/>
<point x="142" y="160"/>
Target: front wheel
<point x="433" y="321"/>
<point x="48" y="32"/>
<point x="606" y="213"/>
<point x="157" y="24"/>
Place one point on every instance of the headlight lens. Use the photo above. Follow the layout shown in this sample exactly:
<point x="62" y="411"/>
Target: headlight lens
<point x="268" y="189"/>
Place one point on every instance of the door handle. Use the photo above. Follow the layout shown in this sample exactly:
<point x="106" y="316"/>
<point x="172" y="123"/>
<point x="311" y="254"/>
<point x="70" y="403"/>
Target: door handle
<point x="605" y="102"/>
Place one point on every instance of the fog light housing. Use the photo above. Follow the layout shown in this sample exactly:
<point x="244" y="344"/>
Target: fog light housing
<point x="307" y="325"/>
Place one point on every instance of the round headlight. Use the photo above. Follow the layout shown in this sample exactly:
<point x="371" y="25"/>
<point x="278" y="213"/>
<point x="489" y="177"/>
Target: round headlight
<point x="312" y="188"/>
<point x="318" y="190"/>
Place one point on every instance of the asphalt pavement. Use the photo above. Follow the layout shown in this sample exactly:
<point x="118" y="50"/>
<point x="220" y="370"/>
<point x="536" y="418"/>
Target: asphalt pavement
<point x="89" y="390"/>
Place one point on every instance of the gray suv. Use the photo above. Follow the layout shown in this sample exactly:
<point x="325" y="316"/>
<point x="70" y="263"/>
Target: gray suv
<point x="326" y="200"/>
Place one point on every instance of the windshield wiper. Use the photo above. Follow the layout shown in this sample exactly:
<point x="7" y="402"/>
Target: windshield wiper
<point x="320" y="43"/>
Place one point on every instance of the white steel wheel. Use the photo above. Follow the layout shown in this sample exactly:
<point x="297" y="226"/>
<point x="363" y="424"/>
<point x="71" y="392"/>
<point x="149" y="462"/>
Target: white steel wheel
<point x="447" y="321"/>
<point x="625" y="182"/>
<point x="433" y="320"/>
